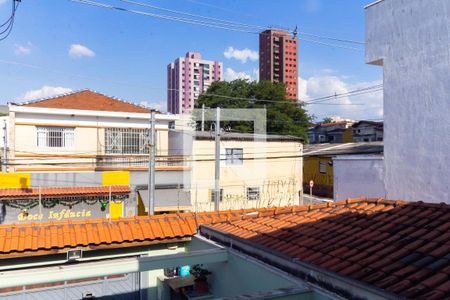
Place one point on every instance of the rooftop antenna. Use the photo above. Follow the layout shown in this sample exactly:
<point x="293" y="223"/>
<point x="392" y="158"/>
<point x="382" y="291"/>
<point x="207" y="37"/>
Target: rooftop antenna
<point x="295" y="32"/>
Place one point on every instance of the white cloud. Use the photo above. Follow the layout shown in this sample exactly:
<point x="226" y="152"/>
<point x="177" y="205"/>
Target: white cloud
<point x="231" y="75"/>
<point x="368" y="106"/>
<point x="44" y="92"/>
<point x="161" y="106"/>
<point x="23" y="49"/>
<point x="241" y="55"/>
<point x="78" y="51"/>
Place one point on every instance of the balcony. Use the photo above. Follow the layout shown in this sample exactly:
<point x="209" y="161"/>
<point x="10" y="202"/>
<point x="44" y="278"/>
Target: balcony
<point x="138" y="161"/>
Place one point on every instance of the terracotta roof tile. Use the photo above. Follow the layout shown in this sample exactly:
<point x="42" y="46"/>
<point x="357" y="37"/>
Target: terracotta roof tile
<point x="366" y="239"/>
<point x="88" y="100"/>
<point x="16" y="193"/>
<point x="402" y="247"/>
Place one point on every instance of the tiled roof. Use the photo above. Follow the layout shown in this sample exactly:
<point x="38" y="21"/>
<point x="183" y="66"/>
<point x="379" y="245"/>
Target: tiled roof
<point x="40" y="238"/>
<point x="49" y="192"/>
<point x="401" y="247"/>
<point x="88" y="100"/>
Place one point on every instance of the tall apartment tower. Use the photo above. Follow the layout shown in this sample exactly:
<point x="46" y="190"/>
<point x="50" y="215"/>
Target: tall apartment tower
<point x="278" y="59"/>
<point x="187" y="78"/>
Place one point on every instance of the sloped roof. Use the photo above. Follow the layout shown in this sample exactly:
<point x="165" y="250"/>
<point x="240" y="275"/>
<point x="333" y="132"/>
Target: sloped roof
<point x="38" y="238"/>
<point x="374" y="123"/>
<point x="401" y="247"/>
<point x="328" y="149"/>
<point x="88" y="100"/>
<point x="398" y="246"/>
<point x="49" y="192"/>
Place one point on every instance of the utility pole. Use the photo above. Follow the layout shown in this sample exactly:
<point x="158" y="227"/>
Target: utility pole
<point x="5" y="147"/>
<point x="151" y="166"/>
<point x="203" y="117"/>
<point x="217" y="156"/>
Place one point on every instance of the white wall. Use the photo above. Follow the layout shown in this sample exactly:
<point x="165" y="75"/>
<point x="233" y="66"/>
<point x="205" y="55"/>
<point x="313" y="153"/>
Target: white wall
<point x="410" y="38"/>
<point x="358" y="175"/>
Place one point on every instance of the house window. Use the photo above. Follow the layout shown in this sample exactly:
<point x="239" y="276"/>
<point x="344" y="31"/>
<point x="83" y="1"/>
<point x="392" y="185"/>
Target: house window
<point x="253" y="193"/>
<point x="322" y="167"/>
<point x="55" y="137"/>
<point x="126" y="141"/>
<point x="212" y="194"/>
<point x="234" y="156"/>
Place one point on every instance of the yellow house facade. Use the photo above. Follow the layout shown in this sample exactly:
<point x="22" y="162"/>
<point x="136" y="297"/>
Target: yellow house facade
<point x="82" y="131"/>
<point x="255" y="171"/>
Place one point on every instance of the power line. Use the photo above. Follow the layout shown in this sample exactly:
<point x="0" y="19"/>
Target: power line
<point x="254" y="26"/>
<point x="209" y="21"/>
<point x="10" y="21"/>
<point x="195" y="15"/>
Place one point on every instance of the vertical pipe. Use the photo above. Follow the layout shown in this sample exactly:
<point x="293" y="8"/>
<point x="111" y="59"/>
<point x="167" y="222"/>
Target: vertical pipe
<point x="5" y="147"/>
<point x="217" y="167"/>
<point x="151" y="167"/>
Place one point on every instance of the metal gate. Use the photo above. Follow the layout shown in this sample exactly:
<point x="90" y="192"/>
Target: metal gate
<point x="117" y="287"/>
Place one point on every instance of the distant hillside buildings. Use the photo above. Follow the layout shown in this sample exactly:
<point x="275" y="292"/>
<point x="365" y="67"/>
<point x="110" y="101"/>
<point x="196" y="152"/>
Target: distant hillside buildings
<point x="187" y="78"/>
<point x="346" y="132"/>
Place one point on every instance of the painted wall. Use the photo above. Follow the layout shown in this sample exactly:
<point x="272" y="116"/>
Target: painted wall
<point x="358" y="175"/>
<point x="89" y="140"/>
<point x="323" y="182"/>
<point x="410" y="39"/>
<point x="244" y="276"/>
<point x="165" y="199"/>
<point x="279" y="179"/>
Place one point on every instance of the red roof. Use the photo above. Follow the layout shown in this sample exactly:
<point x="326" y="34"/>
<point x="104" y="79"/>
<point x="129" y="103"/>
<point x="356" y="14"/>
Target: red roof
<point x="39" y="238"/>
<point x="49" y="192"/>
<point x="401" y="247"/>
<point x="88" y="100"/>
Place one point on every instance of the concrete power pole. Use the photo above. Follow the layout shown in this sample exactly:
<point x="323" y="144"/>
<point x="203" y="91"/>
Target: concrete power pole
<point x="203" y="117"/>
<point x="217" y="167"/>
<point x="151" y="166"/>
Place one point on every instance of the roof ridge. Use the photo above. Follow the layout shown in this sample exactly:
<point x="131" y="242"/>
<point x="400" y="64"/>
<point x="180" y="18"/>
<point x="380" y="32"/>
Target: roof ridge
<point x="262" y="211"/>
<point x="38" y="100"/>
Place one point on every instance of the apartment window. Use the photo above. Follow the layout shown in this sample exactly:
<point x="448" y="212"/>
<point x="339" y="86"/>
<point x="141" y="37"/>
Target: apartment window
<point x="126" y="141"/>
<point x="253" y="193"/>
<point x="212" y="194"/>
<point x="234" y="156"/>
<point x="55" y="137"/>
<point x="322" y="167"/>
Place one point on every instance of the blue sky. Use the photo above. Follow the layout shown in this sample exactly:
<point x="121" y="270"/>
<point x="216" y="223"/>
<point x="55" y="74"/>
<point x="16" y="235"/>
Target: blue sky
<point x="125" y="55"/>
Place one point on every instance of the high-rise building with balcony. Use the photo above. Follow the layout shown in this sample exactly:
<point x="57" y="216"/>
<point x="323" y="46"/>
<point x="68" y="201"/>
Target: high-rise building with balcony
<point x="278" y="59"/>
<point x="187" y="78"/>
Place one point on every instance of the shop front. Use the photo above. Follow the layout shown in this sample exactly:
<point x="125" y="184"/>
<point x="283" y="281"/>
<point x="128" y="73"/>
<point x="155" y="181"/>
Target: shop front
<point x="34" y="205"/>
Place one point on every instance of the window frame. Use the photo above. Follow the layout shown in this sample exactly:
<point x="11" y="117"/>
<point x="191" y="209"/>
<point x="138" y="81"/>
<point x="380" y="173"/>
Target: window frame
<point x="55" y="137"/>
<point x="127" y="141"/>
<point x="212" y="192"/>
<point x="232" y="158"/>
<point x="253" y="189"/>
<point x="322" y="167"/>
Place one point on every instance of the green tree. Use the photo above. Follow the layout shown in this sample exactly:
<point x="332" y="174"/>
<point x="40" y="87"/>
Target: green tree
<point x="283" y="116"/>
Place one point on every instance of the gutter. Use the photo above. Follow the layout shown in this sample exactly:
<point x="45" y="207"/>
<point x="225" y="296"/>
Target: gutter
<point x="331" y="281"/>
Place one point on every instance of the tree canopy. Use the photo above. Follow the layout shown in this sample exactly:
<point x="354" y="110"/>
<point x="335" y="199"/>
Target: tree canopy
<point x="283" y="116"/>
